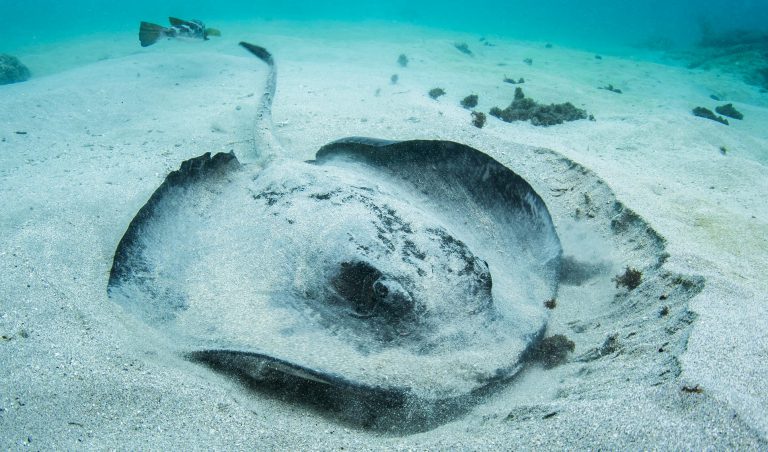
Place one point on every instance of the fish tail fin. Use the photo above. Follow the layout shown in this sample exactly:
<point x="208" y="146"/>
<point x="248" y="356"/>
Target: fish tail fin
<point x="150" y="33"/>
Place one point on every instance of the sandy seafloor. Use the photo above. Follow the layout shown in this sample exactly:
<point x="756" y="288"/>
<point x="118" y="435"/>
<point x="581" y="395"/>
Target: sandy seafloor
<point x="105" y="121"/>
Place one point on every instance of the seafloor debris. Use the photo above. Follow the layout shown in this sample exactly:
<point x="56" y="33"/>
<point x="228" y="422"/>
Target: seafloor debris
<point x="393" y="80"/>
<point x="526" y="109"/>
<point x="463" y="48"/>
<point x="513" y="81"/>
<point x="486" y="42"/>
<point x="434" y="93"/>
<point x="12" y="70"/>
<point x="402" y="60"/>
<point x="696" y="389"/>
<point x="630" y="278"/>
<point x="609" y="87"/>
<point x="528" y="61"/>
<point x="478" y="119"/>
<point x="610" y="345"/>
<point x="552" y="351"/>
<point x="469" y="101"/>
<point x="707" y="113"/>
<point x="730" y="111"/>
<point x="550" y="304"/>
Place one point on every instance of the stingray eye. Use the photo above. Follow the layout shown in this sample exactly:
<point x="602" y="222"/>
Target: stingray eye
<point x="485" y="280"/>
<point x="355" y="282"/>
<point x="392" y="299"/>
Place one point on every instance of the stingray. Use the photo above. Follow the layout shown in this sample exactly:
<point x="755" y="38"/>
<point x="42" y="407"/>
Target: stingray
<point x="393" y="276"/>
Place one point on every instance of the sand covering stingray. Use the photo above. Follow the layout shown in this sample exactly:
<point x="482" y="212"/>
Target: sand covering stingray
<point x="414" y="270"/>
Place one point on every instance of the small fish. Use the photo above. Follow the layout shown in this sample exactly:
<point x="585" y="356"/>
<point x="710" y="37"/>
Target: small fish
<point x="193" y="29"/>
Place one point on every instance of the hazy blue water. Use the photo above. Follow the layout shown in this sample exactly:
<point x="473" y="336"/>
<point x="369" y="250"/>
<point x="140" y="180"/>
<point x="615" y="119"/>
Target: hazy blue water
<point x="571" y="22"/>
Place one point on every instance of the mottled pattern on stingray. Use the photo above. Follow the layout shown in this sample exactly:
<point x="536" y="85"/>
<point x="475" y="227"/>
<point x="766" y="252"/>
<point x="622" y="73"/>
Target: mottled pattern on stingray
<point x="418" y="267"/>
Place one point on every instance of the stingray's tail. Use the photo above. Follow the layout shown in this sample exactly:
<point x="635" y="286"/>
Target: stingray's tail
<point x="266" y="145"/>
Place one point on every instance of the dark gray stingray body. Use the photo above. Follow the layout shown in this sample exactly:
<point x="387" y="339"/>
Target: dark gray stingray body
<point x="406" y="273"/>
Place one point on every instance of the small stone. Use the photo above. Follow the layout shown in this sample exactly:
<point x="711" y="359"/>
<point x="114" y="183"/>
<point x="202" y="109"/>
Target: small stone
<point x="434" y="93"/>
<point x="463" y="48"/>
<point x="478" y="119"/>
<point x="469" y="101"/>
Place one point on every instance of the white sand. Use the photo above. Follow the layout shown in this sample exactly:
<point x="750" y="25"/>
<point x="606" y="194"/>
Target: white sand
<point x="77" y="372"/>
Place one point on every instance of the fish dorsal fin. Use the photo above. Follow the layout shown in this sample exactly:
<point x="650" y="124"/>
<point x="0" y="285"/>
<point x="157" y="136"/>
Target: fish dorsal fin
<point x="179" y="22"/>
<point x="470" y="189"/>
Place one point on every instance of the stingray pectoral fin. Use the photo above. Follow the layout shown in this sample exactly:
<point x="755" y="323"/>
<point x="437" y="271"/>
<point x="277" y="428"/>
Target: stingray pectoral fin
<point x="197" y="171"/>
<point x="395" y="409"/>
<point x="256" y="365"/>
<point x="260" y="367"/>
<point x="491" y="205"/>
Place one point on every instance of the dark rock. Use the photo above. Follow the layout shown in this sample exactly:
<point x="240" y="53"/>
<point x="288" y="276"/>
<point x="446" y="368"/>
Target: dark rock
<point x="526" y="109"/>
<point x="463" y="48"/>
<point x="598" y="57"/>
<point x="713" y="97"/>
<point x="730" y="111"/>
<point x="12" y="70"/>
<point x="609" y="87"/>
<point x="434" y="93"/>
<point x="548" y="46"/>
<point x="394" y="79"/>
<point x="528" y="61"/>
<point x="478" y="119"/>
<point x="707" y="113"/>
<point x="552" y="351"/>
<point x="402" y="60"/>
<point x="469" y="101"/>
<point x="513" y="81"/>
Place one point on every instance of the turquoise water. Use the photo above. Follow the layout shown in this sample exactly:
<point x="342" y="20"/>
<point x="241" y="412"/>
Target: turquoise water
<point x="592" y="23"/>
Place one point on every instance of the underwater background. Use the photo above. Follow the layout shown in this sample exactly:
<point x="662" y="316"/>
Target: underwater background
<point x="594" y="24"/>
